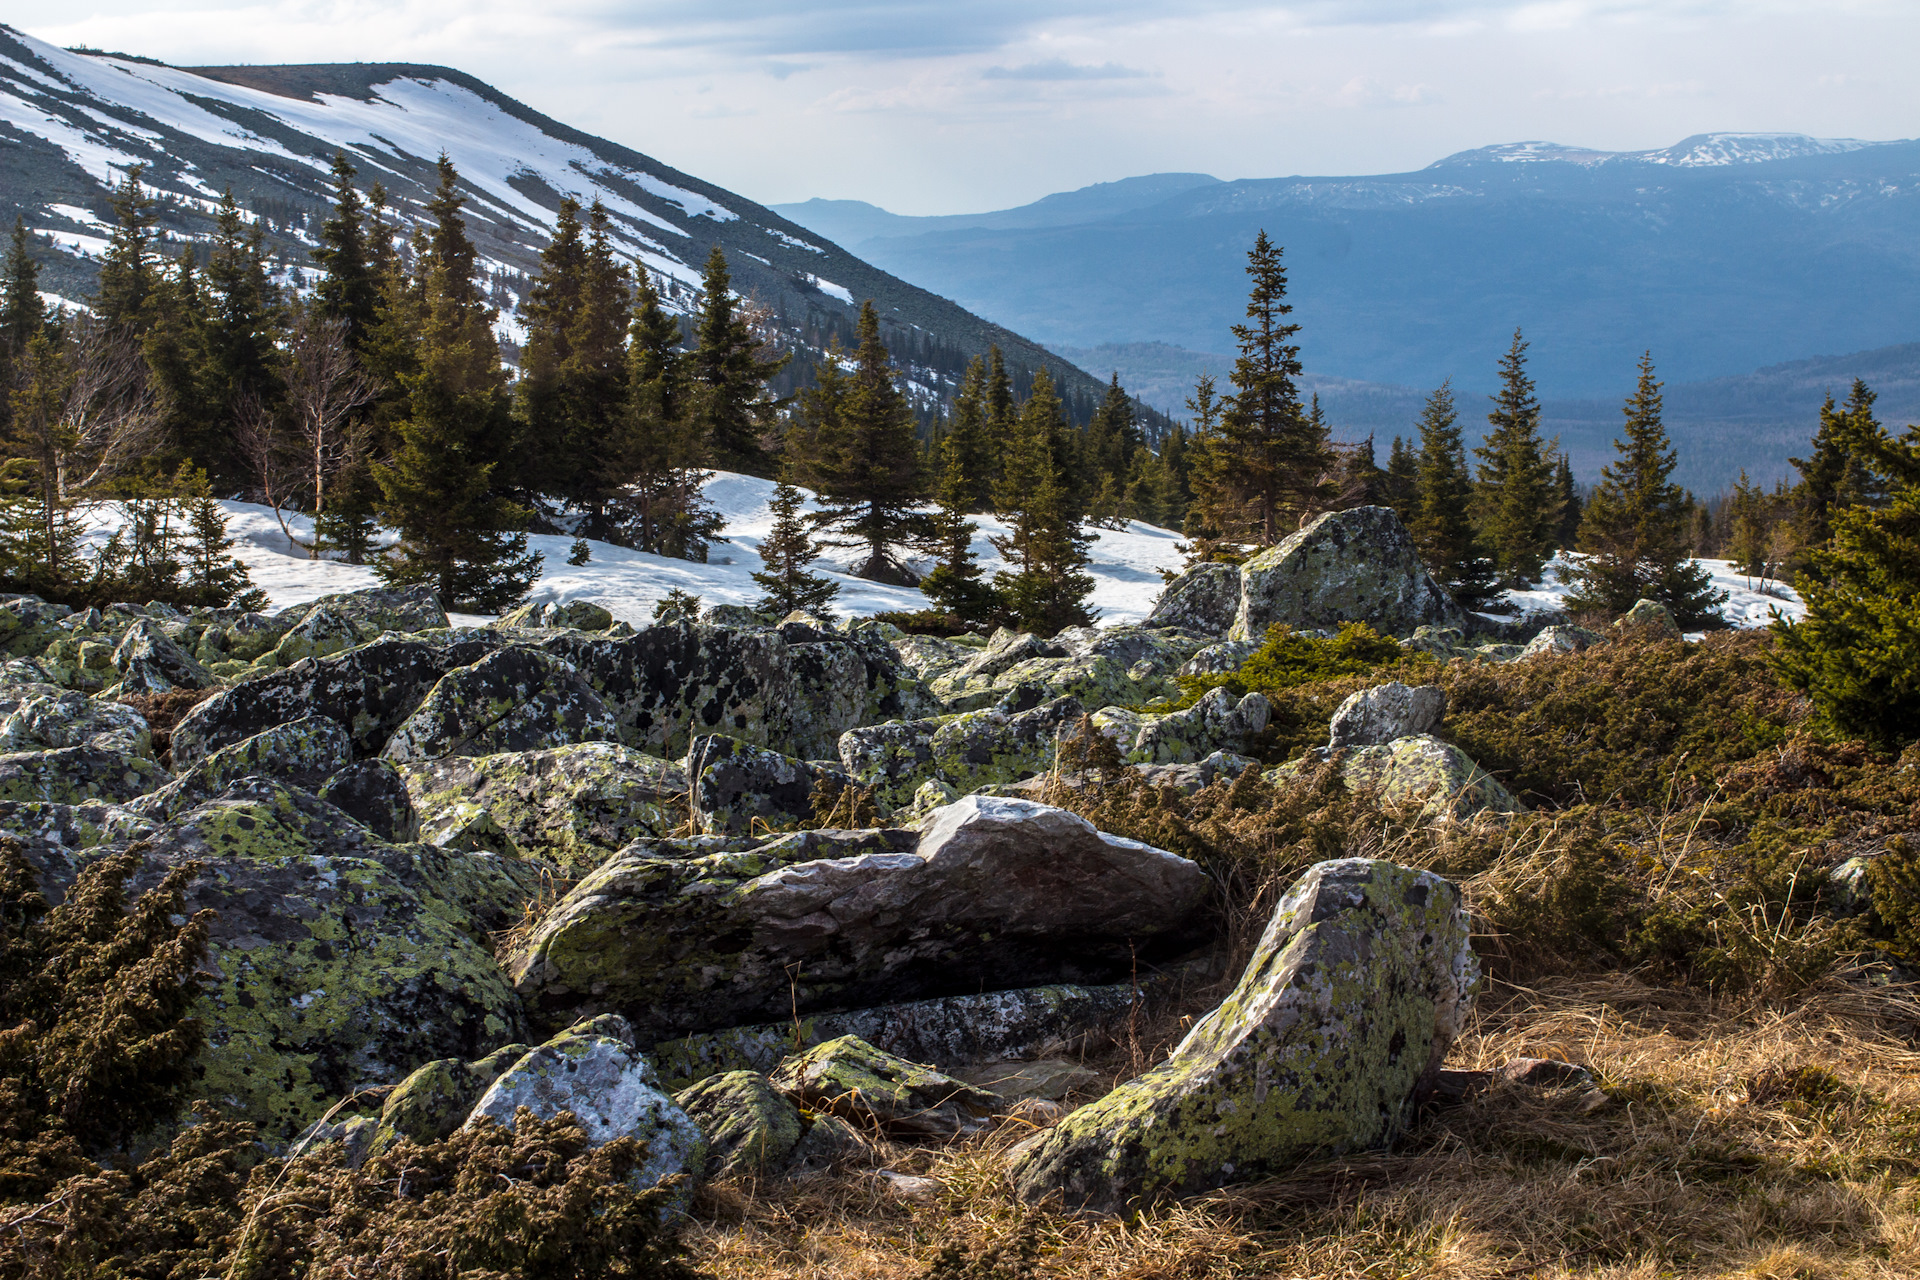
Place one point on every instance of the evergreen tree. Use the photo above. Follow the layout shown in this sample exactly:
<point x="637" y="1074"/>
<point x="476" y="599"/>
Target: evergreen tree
<point x="866" y="465"/>
<point x="1111" y="440"/>
<point x="1362" y="482"/>
<point x="1402" y="485"/>
<point x="1442" y="524"/>
<point x="349" y="288"/>
<point x="787" y="551"/>
<point x="1636" y="524"/>
<point x="237" y="371"/>
<point x="1175" y="492"/>
<point x="128" y="271"/>
<point x="455" y="532"/>
<point x="1278" y="455"/>
<point x="1515" y="495"/>
<point x="729" y="377"/>
<point x="215" y="577"/>
<point x="970" y="444"/>
<point x="656" y="457"/>
<point x="22" y="312"/>
<point x="40" y="435"/>
<point x="1216" y="510"/>
<point x="954" y="584"/>
<point x="175" y="352"/>
<point x="1048" y="587"/>
<point x="1853" y="653"/>
<point x="1566" y="533"/>
<point x="1835" y="475"/>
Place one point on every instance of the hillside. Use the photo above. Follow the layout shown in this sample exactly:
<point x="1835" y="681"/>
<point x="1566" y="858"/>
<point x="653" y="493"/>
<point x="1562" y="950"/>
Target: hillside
<point x="1724" y="253"/>
<point x="75" y="123"/>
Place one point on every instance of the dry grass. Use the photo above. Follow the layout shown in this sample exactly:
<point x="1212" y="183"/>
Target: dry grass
<point x="1759" y="1140"/>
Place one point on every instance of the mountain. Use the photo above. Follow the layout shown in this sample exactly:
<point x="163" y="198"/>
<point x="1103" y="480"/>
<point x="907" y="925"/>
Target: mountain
<point x="1722" y="254"/>
<point x="73" y="123"/>
<point x="855" y="221"/>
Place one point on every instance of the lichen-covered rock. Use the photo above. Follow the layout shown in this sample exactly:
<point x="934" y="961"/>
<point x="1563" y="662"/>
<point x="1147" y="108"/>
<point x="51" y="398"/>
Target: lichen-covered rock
<point x="611" y="1090"/>
<point x="1220" y="659"/>
<point x="990" y="745"/>
<point x="149" y="661"/>
<point x="437" y="1099"/>
<point x="750" y="1128"/>
<point x="1218" y="722"/>
<point x="893" y="760"/>
<point x="995" y="894"/>
<point x="56" y="718"/>
<point x="1189" y="778"/>
<point x="373" y="793"/>
<point x="869" y="1088"/>
<point x="738" y="788"/>
<point x="303" y="752"/>
<point x="512" y="700"/>
<point x="931" y="656"/>
<point x="379" y="609"/>
<point x="1094" y="679"/>
<point x="76" y="775"/>
<point x="55" y="838"/>
<point x="1418" y="775"/>
<point x="1357" y="989"/>
<point x="1376" y="716"/>
<point x="1648" y="618"/>
<point x="1205" y="599"/>
<point x="575" y="804"/>
<point x="574" y="615"/>
<point x="1357" y="565"/>
<point x="320" y="633"/>
<point x="1561" y="639"/>
<point x="971" y="685"/>
<point x="29" y="624"/>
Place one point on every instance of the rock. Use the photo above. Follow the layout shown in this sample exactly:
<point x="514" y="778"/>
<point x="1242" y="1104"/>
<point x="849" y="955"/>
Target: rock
<point x="320" y="633"/>
<point x="828" y="1143"/>
<point x="303" y="752"/>
<point x="1374" y="717"/>
<point x="893" y="760"/>
<point x="1545" y="1073"/>
<point x="575" y="804"/>
<point x="993" y="745"/>
<point x="29" y="624"/>
<point x="1499" y="652"/>
<point x="993" y="1026"/>
<point x="1093" y="679"/>
<point x="1561" y="639"/>
<point x="150" y="662"/>
<point x="1648" y="618"/>
<point x="738" y="788"/>
<point x="750" y="1128"/>
<point x="1205" y="598"/>
<point x="373" y="793"/>
<point x="437" y="1098"/>
<point x="996" y="893"/>
<point x="1220" y="659"/>
<point x="57" y="718"/>
<point x="1218" y="722"/>
<point x="611" y="1090"/>
<point x="1357" y="565"/>
<point x="930" y="656"/>
<point x="54" y="837"/>
<point x="378" y="610"/>
<point x="871" y="1089"/>
<point x="1419" y="775"/>
<point x="76" y="775"/>
<point x="512" y="700"/>
<point x="1357" y="989"/>
<point x="971" y="685"/>
<point x="1189" y="778"/>
<point x="1048" y="1079"/>
<point x="574" y="615"/>
<point x="251" y="635"/>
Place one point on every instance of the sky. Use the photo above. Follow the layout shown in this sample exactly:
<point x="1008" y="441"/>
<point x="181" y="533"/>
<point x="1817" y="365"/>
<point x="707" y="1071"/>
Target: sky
<point x="958" y="106"/>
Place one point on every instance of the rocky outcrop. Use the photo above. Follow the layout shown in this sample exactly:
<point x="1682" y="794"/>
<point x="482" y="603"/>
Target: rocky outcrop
<point x="304" y="752"/>
<point x="1359" y="985"/>
<point x="1357" y="565"/>
<point x="1647" y="619"/>
<point x="44" y="718"/>
<point x="77" y="775"/>
<point x="996" y="893"/>
<point x="1419" y="776"/>
<point x="513" y="700"/>
<point x="149" y="661"/>
<point x="874" y="1090"/>
<point x="1217" y="722"/>
<point x="1376" y="716"/>
<point x="737" y="788"/>
<point x="436" y="1099"/>
<point x="1561" y="639"/>
<point x="1206" y="598"/>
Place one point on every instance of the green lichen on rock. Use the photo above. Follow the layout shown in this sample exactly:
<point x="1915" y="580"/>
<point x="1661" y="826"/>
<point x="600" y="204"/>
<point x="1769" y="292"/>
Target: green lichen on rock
<point x="1419" y="775"/>
<point x="1359" y="985"/>
<point x="1357" y="565"/>
<point x="574" y="615"/>
<point x="736" y="787"/>
<point x="304" y="752"/>
<point x="436" y="1099"/>
<point x="1218" y="722"/>
<point x="891" y="760"/>
<point x="516" y="699"/>
<point x="992" y="746"/>
<point x="1094" y="679"/>
<point x="49" y="718"/>
<point x="321" y="633"/>
<point x="750" y="1128"/>
<point x="1204" y="598"/>
<point x="77" y="775"/>
<point x="873" y="1089"/>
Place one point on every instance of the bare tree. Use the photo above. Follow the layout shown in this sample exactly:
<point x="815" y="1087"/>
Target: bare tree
<point x="278" y="469"/>
<point x="110" y="416"/>
<point x="325" y="385"/>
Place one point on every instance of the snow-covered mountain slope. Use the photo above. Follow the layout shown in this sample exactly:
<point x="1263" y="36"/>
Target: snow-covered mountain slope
<point x="74" y="124"/>
<point x="1702" y="150"/>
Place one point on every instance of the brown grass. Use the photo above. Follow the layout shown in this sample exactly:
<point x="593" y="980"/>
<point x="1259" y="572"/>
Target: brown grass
<point x="1750" y="1140"/>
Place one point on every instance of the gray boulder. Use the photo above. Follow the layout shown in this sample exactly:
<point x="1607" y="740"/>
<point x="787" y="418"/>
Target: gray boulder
<point x="999" y="744"/>
<point x="50" y="718"/>
<point x="1376" y="716"/>
<point x="893" y="760"/>
<point x="1357" y="565"/>
<point x="738" y="788"/>
<point x="1647" y="618"/>
<point x="972" y="684"/>
<point x="304" y="752"/>
<point x="1420" y="776"/>
<point x="321" y="633"/>
<point x="57" y="839"/>
<point x="436" y="1099"/>
<point x="1217" y="722"/>
<point x="512" y="700"/>
<point x="378" y="610"/>
<point x="373" y="793"/>
<point x="1220" y="659"/>
<point x="996" y="893"/>
<point x="1360" y="984"/>
<point x="1561" y="639"/>
<point x="77" y="775"/>
<point x="149" y="661"/>
<point x="1206" y="598"/>
<point x="574" y="615"/>
<point x="874" y="1090"/>
<point x="750" y="1127"/>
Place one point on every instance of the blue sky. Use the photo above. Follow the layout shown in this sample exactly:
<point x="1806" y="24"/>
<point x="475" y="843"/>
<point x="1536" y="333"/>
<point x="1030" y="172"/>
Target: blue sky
<point x="947" y="106"/>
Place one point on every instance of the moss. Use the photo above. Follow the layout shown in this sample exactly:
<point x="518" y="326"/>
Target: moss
<point x="749" y="1127"/>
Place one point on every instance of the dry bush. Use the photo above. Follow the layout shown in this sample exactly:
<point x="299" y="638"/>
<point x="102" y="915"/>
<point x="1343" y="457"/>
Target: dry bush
<point x="163" y="711"/>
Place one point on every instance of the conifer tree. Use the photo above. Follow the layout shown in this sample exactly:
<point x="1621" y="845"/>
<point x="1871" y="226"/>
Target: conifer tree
<point x="866" y="464"/>
<point x="1853" y="652"/>
<point x="22" y="313"/>
<point x="786" y="552"/>
<point x="40" y="434"/>
<point x="1567" y="532"/>
<point x="954" y="585"/>
<point x="1835" y="476"/>
<point x="1442" y="524"/>
<point x="1215" y="510"/>
<point x="1111" y="440"/>
<point x="970" y="443"/>
<point x="1278" y="455"/>
<point x="1402" y="484"/>
<point x="1636" y="524"/>
<point x="237" y="363"/>
<point x="728" y="376"/>
<point x="1175" y="492"/>
<point x="1048" y="587"/>
<point x="128" y="270"/>
<point x="349" y="288"/>
<point x="1517" y="511"/>
<point x="1362" y="482"/>
<point x="436" y="490"/>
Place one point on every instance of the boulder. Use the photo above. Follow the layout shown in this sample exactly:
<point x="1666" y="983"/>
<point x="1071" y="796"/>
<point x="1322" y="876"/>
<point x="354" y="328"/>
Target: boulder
<point x="893" y="760"/>
<point x="29" y="624"/>
<point x="996" y="893"/>
<point x="1357" y="565"/>
<point x="1420" y="776"/>
<point x="1356" y="990"/>
<point x="512" y="700"/>
<point x="1376" y="716"/>
<point x="930" y="656"/>
<point x="304" y="752"/>
<point x="874" y="1090"/>
<point x="436" y="1099"/>
<point x="55" y="838"/>
<point x="378" y="610"/>
<point x="1561" y="639"/>
<point x="1206" y="598"/>
<point x="574" y="804"/>
<point x="1217" y="722"/>
<point x="320" y="633"/>
<point x="1220" y="659"/>
<point x="149" y="661"/>
<point x="1093" y="679"/>
<point x="1647" y="618"/>
<point x="738" y="788"/>
<point x="251" y="635"/>
<point x="373" y="793"/>
<point x="1189" y="778"/>
<point x="574" y="615"/>
<point x="972" y="684"/>
<point x="611" y="1090"/>
<point x="749" y="1126"/>
<point x="49" y="718"/>
<point x="996" y="744"/>
<point x="76" y="775"/>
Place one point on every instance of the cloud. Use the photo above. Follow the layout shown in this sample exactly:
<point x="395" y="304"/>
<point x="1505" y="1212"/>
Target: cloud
<point x="1061" y="69"/>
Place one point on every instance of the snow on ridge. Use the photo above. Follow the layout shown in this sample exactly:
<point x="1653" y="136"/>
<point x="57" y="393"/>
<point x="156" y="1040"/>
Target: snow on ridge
<point x="832" y="290"/>
<point x="1703" y="150"/>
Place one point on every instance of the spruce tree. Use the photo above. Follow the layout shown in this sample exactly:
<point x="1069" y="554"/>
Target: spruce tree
<point x="954" y="585"/>
<point x="1442" y="524"/>
<point x="867" y="465"/>
<point x="1515" y="495"/>
<point x="437" y="489"/>
<point x="39" y="433"/>
<point x="656" y="457"/>
<point x="349" y="288"/>
<point x="1401" y="489"/>
<point x="1834" y="475"/>
<point x="1111" y="440"/>
<point x="1215" y="510"/>
<point x="1636" y="524"/>
<point x="22" y="312"/>
<point x="1362" y="482"/>
<point x="1566" y="533"/>
<point x="128" y="271"/>
<point x="1853" y="652"/>
<point x="1279" y="456"/>
<point x="238" y="371"/>
<point x="786" y="552"/>
<point x="1175" y="491"/>
<point x="1048" y="587"/>
<point x="970" y="445"/>
<point x="728" y="376"/>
